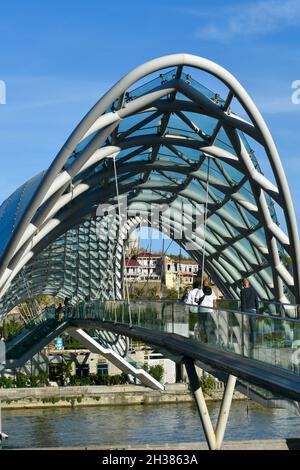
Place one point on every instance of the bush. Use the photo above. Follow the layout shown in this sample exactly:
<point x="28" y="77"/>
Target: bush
<point x="21" y="380"/>
<point x="74" y="380"/>
<point x="54" y="400"/>
<point x="102" y="379"/>
<point x="34" y="381"/>
<point x="157" y="372"/>
<point x="172" y="294"/>
<point x="124" y="379"/>
<point x="114" y="380"/>
<point x="7" y="382"/>
<point x="207" y="383"/>
<point x="86" y="380"/>
<point x="38" y="380"/>
<point x="43" y="378"/>
<point x="99" y="379"/>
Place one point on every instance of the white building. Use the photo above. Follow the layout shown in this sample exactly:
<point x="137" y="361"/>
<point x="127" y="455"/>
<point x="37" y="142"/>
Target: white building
<point x="173" y="272"/>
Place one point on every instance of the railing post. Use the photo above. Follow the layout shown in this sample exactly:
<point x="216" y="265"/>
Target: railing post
<point x="173" y="329"/>
<point x="218" y="327"/>
<point x="139" y="314"/>
<point x="243" y="333"/>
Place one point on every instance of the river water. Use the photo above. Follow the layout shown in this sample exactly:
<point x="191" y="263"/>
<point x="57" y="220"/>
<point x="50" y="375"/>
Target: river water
<point x="140" y="424"/>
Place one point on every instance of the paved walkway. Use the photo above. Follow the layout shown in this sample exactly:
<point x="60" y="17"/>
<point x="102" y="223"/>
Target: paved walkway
<point x="267" y="444"/>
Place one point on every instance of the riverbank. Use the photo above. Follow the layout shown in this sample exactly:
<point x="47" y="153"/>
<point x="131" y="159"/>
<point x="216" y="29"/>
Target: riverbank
<point x="265" y="444"/>
<point x="45" y="397"/>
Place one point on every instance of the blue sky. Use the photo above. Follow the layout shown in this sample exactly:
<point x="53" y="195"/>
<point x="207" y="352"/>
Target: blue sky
<point x="58" y="58"/>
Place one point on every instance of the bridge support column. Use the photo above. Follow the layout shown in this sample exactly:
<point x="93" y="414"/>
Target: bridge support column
<point x="214" y="439"/>
<point x="201" y="404"/>
<point x="2" y="434"/>
<point x="224" y="410"/>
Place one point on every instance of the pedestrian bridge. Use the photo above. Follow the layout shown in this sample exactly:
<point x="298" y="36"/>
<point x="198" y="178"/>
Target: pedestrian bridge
<point x="261" y="352"/>
<point x="159" y="145"/>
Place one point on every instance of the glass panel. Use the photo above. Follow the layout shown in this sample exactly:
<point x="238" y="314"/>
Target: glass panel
<point x="15" y="206"/>
<point x="231" y="210"/>
<point x="31" y="333"/>
<point x="246" y="192"/>
<point x="205" y="91"/>
<point x="263" y="338"/>
<point x="151" y="85"/>
<point x="206" y="124"/>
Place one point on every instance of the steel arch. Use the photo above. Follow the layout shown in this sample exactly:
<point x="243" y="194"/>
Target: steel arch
<point x="79" y="177"/>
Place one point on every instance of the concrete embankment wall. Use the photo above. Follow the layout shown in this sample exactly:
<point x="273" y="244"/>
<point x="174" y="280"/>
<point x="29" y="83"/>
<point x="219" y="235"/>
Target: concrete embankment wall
<point x="265" y="444"/>
<point x="97" y="395"/>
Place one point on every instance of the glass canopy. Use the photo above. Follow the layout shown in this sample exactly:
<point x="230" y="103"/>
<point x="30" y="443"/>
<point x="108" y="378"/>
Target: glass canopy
<point x="174" y="143"/>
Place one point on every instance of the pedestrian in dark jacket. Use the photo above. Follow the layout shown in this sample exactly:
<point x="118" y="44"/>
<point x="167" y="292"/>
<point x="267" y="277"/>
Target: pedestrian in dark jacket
<point x="249" y="304"/>
<point x="249" y="299"/>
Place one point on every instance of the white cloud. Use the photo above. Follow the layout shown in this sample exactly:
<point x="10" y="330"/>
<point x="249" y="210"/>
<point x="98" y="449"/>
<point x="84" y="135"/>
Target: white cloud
<point x="31" y="92"/>
<point x="250" y="19"/>
<point x="277" y="105"/>
<point x="272" y="94"/>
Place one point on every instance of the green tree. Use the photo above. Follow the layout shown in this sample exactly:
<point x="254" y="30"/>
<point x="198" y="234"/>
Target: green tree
<point x="11" y="327"/>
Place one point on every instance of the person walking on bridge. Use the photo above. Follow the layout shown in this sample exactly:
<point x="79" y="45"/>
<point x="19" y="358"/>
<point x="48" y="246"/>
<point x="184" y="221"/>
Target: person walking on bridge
<point x="193" y="295"/>
<point x="249" y="299"/>
<point x="207" y="297"/>
<point x="249" y="304"/>
<point x="207" y="301"/>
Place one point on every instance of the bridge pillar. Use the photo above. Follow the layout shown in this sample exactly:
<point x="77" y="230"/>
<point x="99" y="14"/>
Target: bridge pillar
<point x="201" y="404"/>
<point x="224" y="410"/>
<point x="214" y="439"/>
<point x="2" y="434"/>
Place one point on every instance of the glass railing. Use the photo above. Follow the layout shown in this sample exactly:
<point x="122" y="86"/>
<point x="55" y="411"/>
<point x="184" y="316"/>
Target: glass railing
<point x="279" y="309"/>
<point x="265" y="307"/>
<point x="269" y="339"/>
<point x="45" y="314"/>
<point x="33" y="332"/>
<point x="33" y="338"/>
<point x="248" y="389"/>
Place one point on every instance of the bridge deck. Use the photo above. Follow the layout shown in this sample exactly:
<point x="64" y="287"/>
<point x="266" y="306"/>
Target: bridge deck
<point x="267" y="376"/>
<point x="257" y="349"/>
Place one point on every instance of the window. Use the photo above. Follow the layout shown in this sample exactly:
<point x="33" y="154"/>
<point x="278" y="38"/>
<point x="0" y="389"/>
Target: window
<point x="102" y="369"/>
<point x="82" y="370"/>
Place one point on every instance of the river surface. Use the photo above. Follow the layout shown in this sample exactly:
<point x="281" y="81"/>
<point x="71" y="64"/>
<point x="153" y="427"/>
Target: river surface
<point x="140" y="424"/>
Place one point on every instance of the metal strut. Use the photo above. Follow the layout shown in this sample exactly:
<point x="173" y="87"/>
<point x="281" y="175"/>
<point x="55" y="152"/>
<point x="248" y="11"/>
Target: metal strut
<point x="214" y="438"/>
<point x="120" y="229"/>
<point x="205" y="224"/>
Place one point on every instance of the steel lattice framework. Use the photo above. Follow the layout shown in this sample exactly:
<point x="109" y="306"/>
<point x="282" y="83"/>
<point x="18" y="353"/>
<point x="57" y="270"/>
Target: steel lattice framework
<point x="161" y="126"/>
